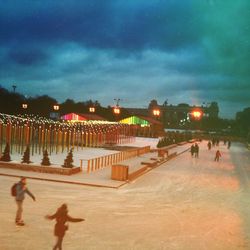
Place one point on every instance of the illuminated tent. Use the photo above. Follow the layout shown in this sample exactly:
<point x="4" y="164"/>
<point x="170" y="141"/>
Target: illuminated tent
<point x="140" y="120"/>
<point x="73" y="117"/>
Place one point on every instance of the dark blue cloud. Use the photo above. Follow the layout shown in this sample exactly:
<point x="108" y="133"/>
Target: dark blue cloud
<point x="191" y="51"/>
<point x="27" y="57"/>
<point x="121" y="25"/>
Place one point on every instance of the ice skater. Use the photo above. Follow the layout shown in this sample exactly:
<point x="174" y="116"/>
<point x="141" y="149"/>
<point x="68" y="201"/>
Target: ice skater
<point x="61" y="227"/>
<point x="20" y="189"/>
<point x="196" y="150"/>
<point x="192" y="150"/>
<point x="217" y="155"/>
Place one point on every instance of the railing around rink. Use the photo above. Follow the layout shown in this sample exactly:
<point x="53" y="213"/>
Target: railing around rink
<point x="107" y="160"/>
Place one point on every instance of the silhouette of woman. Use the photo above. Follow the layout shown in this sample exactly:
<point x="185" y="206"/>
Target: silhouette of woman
<point x="61" y="227"/>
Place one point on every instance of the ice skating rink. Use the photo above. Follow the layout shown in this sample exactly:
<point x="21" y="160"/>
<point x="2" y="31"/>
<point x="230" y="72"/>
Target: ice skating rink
<point x="186" y="204"/>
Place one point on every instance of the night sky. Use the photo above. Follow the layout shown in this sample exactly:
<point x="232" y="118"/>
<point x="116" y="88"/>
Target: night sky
<point x="183" y="51"/>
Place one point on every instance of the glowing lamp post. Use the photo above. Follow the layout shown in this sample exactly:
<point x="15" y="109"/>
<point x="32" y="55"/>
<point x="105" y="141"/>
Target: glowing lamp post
<point x="197" y="114"/>
<point x="55" y="114"/>
<point x="156" y="112"/>
<point x="24" y="105"/>
<point x="117" y="110"/>
<point x="92" y="109"/>
<point x="56" y="107"/>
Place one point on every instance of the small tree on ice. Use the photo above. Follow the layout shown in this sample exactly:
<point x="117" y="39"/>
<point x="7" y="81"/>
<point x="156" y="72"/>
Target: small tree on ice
<point x="69" y="160"/>
<point x="6" y="153"/>
<point x="45" y="160"/>
<point x="26" y="155"/>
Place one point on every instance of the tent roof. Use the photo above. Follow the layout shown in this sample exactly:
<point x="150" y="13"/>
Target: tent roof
<point x="144" y="118"/>
<point x="82" y="117"/>
<point x="149" y="119"/>
<point x="73" y="117"/>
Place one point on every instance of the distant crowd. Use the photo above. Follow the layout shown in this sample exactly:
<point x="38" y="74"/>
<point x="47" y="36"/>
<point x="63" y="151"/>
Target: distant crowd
<point x="211" y="143"/>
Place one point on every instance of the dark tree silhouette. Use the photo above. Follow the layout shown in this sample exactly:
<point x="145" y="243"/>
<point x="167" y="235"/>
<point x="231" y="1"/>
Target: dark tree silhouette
<point x="69" y="160"/>
<point x="26" y="155"/>
<point x="45" y="160"/>
<point x="6" y="153"/>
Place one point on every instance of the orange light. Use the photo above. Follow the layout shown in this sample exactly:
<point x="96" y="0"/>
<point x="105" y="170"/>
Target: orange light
<point x="24" y="105"/>
<point x="197" y="114"/>
<point x="117" y="110"/>
<point x="56" y="107"/>
<point x="92" y="109"/>
<point x="156" y="112"/>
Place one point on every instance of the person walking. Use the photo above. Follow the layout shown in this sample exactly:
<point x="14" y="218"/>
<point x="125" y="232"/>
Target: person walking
<point x="192" y="150"/>
<point x="209" y="145"/>
<point x="61" y="216"/>
<point x="217" y="155"/>
<point x="21" y="190"/>
<point x="196" y="150"/>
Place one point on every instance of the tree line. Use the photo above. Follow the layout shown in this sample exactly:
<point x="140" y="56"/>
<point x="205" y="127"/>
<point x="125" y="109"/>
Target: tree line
<point x="11" y="103"/>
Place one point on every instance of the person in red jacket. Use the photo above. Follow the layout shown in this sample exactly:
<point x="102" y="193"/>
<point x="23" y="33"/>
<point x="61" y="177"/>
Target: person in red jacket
<point x="61" y="216"/>
<point x="217" y="155"/>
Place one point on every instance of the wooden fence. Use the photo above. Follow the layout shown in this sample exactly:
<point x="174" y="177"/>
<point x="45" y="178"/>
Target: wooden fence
<point x="108" y="160"/>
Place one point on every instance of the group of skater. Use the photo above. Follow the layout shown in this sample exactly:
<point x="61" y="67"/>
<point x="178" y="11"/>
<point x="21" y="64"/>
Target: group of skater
<point x="61" y="215"/>
<point x="214" y="142"/>
<point x="195" y="150"/>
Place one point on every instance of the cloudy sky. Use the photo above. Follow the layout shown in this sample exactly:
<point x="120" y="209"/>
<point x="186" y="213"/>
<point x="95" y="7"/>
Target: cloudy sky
<point x="183" y="51"/>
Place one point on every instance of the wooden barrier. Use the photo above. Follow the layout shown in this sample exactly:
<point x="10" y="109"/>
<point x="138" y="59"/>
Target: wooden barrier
<point x="137" y="173"/>
<point x="149" y="165"/>
<point x="108" y="160"/>
<point x="41" y="169"/>
<point x="119" y="172"/>
<point x="163" y="153"/>
<point x="172" y="155"/>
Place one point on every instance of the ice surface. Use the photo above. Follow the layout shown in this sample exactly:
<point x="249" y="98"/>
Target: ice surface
<point x="184" y="204"/>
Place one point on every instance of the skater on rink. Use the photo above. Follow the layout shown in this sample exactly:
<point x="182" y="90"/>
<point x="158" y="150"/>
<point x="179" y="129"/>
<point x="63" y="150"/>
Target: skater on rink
<point x="61" y="216"/>
<point x="196" y="150"/>
<point x="217" y="155"/>
<point x="209" y="145"/>
<point x="19" y="190"/>
<point x="192" y="150"/>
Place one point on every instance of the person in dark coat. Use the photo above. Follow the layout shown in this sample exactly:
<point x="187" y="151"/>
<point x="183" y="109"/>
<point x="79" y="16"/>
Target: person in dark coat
<point x="21" y="190"/>
<point x="192" y="150"/>
<point x="61" y="216"/>
<point x="196" y="150"/>
<point x="217" y="156"/>
<point x="209" y="145"/>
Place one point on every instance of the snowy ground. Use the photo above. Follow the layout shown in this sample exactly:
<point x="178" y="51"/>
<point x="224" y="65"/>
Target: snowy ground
<point x="185" y="204"/>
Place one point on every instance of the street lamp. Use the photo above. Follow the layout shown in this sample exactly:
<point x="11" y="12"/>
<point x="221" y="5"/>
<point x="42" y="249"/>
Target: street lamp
<point x="92" y="109"/>
<point x="197" y="114"/>
<point x="156" y="112"/>
<point x="24" y="105"/>
<point x="56" y="107"/>
<point x="14" y="88"/>
<point x="117" y="110"/>
<point x="55" y="114"/>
